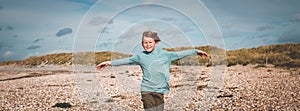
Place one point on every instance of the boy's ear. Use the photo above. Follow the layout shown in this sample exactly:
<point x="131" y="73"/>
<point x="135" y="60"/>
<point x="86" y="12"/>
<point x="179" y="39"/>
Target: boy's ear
<point x="156" y="43"/>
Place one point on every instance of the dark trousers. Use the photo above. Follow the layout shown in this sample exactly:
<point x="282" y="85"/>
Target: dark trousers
<point x="153" y="101"/>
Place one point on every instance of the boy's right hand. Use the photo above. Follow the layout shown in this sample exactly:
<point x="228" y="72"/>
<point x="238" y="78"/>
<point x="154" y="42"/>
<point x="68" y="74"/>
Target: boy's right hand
<point x="102" y="65"/>
<point x="202" y="54"/>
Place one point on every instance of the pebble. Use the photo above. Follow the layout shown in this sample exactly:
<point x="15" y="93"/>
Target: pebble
<point x="244" y="88"/>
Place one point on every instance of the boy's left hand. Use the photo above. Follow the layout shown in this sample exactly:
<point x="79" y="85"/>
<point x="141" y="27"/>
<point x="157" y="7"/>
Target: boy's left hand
<point x="202" y="54"/>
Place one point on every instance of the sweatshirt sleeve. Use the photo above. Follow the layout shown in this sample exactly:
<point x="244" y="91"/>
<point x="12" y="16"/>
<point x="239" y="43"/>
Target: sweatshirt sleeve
<point x="181" y="54"/>
<point x="125" y="61"/>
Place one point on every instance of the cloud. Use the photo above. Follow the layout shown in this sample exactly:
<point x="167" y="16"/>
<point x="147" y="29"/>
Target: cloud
<point x="263" y="36"/>
<point x="105" y="44"/>
<point x="37" y="40"/>
<point x="86" y="2"/>
<point x="264" y="28"/>
<point x="92" y="1"/>
<point x="15" y="36"/>
<point x="4" y="45"/>
<point x="96" y="21"/>
<point x="9" y="28"/>
<point x="295" y="18"/>
<point x="150" y="1"/>
<point x="167" y="19"/>
<point x="267" y="41"/>
<point x="7" y="54"/>
<point x="290" y="36"/>
<point x="227" y="25"/>
<point x="186" y="28"/>
<point x="63" y="32"/>
<point x="105" y="30"/>
<point x="32" y="47"/>
<point x="58" y="51"/>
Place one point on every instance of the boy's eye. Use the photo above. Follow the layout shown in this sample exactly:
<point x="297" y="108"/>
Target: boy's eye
<point x="147" y="42"/>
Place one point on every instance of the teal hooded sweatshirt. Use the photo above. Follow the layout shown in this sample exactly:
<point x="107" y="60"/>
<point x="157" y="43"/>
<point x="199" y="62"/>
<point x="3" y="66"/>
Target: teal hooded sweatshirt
<point x="155" y="66"/>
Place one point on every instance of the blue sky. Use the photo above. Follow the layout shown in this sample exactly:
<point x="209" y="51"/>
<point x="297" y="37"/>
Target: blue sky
<point x="40" y="27"/>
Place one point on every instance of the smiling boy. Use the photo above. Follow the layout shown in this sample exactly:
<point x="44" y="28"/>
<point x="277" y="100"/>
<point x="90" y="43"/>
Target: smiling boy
<point x="155" y="64"/>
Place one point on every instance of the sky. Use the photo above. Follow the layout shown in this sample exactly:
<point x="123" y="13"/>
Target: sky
<point x="40" y="27"/>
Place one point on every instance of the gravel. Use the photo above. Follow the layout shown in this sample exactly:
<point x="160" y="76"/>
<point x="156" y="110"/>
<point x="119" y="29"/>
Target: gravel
<point x="117" y="88"/>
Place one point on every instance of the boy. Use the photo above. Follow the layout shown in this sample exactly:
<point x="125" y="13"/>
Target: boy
<point x="155" y="64"/>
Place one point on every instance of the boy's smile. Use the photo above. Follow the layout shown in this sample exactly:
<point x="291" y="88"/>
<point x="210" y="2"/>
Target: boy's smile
<point x="149" y="44"/>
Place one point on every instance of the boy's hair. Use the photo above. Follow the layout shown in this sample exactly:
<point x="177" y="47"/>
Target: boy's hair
<point x="151" y="35"/>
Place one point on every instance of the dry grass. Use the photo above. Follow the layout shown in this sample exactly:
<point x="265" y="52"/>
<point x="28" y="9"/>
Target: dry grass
<point x="280" y="55"/>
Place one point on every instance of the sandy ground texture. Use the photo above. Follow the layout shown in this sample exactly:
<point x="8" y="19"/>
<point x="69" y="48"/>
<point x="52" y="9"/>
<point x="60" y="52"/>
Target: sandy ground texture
<point x="117" y="88"/>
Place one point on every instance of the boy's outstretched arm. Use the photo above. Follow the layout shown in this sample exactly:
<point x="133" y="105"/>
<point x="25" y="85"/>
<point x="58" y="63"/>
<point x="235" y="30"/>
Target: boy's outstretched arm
<point x="102" y="65"/>
<point x="117" y="62"/>
<point x="186" y="53"/>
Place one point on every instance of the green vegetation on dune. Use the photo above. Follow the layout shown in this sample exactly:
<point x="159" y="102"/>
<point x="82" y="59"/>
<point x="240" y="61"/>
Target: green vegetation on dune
<point x="280" y="55"/>
<point x="81" y="58"/>
<point x="50" y="59"/>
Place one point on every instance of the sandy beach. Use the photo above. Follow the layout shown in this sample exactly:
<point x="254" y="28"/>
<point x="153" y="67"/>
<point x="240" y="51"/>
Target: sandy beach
<point x="117" y="88"/>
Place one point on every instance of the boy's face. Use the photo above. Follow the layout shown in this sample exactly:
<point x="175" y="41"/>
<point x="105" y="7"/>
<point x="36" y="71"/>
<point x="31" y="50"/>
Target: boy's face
<point x="149" y="44"/>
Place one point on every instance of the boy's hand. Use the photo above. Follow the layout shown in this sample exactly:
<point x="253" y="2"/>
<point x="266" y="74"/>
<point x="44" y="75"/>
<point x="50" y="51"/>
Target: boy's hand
<point x="202" y="54"/>
<point x="102" y="65"/>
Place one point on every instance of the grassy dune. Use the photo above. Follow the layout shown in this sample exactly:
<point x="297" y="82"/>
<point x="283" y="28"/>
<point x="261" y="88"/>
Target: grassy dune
<point x="280" y="55"/>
